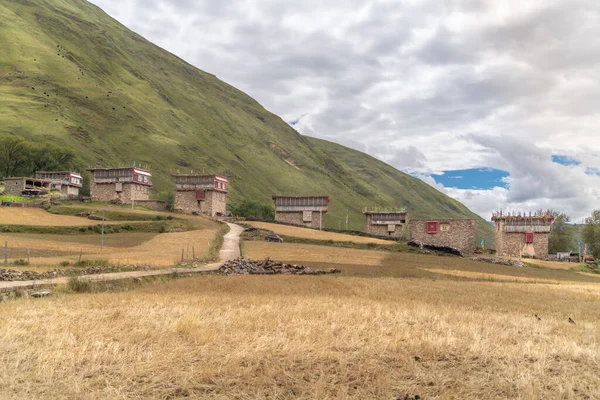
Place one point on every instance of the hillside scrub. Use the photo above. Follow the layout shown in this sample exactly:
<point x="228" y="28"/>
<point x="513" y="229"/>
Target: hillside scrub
<point x="20" y="157"/>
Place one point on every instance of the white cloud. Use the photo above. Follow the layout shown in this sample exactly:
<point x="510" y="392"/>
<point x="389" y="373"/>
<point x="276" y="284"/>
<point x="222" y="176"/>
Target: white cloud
<point x="425" y="85"/>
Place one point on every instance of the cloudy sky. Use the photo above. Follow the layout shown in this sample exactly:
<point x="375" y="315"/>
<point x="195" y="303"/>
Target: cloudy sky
<point x="496" y="103"/>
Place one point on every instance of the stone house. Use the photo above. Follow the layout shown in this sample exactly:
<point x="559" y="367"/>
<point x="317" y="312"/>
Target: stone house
<point x="385" y="222"/>
<point x="26" y="186"/>
<point x="519" y="235"/>
<point x="67" y="182"/>
<point x="458" y="234"/>
<point x="306" y="211"/>
<point x="124" y="184"/>
<point x="205" y="194"/>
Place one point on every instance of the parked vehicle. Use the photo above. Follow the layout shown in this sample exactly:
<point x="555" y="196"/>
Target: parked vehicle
<point x="274" y="238"/>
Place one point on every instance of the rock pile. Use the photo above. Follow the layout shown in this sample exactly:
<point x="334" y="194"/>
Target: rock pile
<point x="14" y="275"/>
<point x="244" y="266"/>
<point x="499" y="261"/>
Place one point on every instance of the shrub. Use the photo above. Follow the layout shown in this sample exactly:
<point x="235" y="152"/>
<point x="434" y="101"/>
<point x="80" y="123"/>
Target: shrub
<point x="92" y="263"/>
<point x="20" y="261"/>
<point x="254" y="209"/>
<point x="64" y="263"/>
<point x="78" y="284"/>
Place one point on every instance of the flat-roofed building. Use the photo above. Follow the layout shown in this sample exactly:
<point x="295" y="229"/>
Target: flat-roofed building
<point x="67" y="182"/>
<point x="518" y="235"/>
<point x="385" y="221"/>
<point x="124" y="184"/>
<point x="26" y="186"/>
<point x="458" y="234"/>
<point x="204" y="194"/>
<point x="306" y="211"/>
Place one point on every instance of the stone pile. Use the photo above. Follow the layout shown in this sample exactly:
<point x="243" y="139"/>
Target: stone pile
<point x="14" y="275"/>
<point x="244" y="266"/>
<point x="499" y="261"/>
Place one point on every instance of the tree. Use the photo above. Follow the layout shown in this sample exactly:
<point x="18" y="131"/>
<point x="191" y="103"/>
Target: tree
<point x="591" y="233"/>
<point x="561" y="238"/>
<point x="254" y="209"/>
<point x="15" y="155"/>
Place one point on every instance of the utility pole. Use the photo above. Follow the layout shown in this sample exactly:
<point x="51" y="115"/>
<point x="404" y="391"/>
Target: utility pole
<point x="102" y="234"/>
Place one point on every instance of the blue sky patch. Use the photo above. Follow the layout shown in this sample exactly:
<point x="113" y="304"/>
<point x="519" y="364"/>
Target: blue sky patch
<point x="565" y="160"/>
<point x="475" y="178"/>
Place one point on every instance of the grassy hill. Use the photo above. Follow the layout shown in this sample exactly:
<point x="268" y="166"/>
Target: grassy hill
<point x="72" y="75"/>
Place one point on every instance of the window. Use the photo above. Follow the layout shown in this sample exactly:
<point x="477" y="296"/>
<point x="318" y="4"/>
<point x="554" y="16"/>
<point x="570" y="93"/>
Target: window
<point x="432" y="227"/>
<point x="529" y="237"/>
<point x="444" y="227"/>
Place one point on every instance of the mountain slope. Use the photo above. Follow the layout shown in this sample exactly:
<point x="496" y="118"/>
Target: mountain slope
<point x="72" y="75"/>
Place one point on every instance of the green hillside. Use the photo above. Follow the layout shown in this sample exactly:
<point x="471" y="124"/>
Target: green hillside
<point x="72" y="75"/>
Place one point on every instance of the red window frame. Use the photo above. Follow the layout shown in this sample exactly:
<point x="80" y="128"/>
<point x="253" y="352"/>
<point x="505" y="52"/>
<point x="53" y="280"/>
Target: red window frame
<point x="432" y="227"/>
<point x="529" y="236"/>
<point x="200" y="195"/>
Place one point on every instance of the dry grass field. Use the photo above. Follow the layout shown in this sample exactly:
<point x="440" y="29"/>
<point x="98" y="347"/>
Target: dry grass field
<point x="136" y="248"/>
<point x="289" y="337"/>
<point x="315" y="234"/>
<point x="129" y="248"/>
<point x="39" y="217"/>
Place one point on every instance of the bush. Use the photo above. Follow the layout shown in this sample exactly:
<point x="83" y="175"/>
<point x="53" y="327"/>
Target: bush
<point x="254" y="209"/>
<point x="195" y="213"/>
<point x="91" y="263"/>
<point x="78" y="284"/>
<point x="64" y="263"/>
<point x="20" y="262"/>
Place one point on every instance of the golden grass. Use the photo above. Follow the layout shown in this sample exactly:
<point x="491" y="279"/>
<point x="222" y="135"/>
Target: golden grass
<point x="491" y="277"/>
<point x="312" y="253"/>
<point x="40" y="217"/>
<point x="137" y="248"/>
<point x="316" y="234"/>
<point x="289" y="337"/>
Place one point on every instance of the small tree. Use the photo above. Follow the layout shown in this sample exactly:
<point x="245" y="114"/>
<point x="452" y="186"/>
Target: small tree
<point x="591" y="233"/>
<point x="561" y="238"/>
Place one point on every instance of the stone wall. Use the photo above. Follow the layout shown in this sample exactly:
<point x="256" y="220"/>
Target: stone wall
<point x="108" y="192"/>
<point x="69" y="190"/>
<point x="297" y="218"/>
<point x="460" y="235"/>
<point x="383" y="230"/>
<point x="156" y="205"/>
<point x="211" y="205"/>
<point x="186" y="201"/>
<point x="512" y="244"/>
<point x="14" y="187"/>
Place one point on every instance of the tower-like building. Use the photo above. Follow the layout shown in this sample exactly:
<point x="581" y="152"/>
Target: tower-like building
<point x="521" y="234"/>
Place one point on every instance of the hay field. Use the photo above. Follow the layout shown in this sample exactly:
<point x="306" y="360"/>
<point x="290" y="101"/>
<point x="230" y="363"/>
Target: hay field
<point x="291" y="252"/>
<point x="135" y="248"/>
<point x="315" y="234"/>
<point x="39" y="217"/>
<point x="288" y="337"/>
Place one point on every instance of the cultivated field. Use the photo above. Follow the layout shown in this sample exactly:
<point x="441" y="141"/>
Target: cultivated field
<point x="288" y="337"/>
<point x="124" y="248"/>
<point x="315" y="234"/>
<point x="39" y="217"/>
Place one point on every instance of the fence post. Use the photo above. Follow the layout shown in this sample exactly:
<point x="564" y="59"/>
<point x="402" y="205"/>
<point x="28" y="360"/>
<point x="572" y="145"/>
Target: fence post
<point x="193" y="253"/>
<point x="182" y="250"/>
<point x="6" y="253"/>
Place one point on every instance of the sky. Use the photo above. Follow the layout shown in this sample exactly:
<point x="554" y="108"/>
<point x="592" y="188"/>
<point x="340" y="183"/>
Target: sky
<point x="495" y="103"/>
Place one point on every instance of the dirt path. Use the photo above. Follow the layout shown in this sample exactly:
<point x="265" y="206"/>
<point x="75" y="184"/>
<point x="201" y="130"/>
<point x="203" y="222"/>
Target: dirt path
<point x="229" y="251"/>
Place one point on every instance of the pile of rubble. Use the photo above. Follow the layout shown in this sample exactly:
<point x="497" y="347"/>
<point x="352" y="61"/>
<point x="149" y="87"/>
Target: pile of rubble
<point x="499" y="261"/>
<point x="14" y="275"/>
<point x="244" y="266"/>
